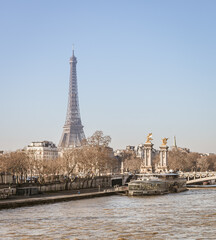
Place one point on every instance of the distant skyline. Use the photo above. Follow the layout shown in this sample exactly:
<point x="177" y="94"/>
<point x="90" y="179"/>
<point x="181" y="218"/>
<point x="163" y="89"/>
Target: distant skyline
<point x="143" y="66"/>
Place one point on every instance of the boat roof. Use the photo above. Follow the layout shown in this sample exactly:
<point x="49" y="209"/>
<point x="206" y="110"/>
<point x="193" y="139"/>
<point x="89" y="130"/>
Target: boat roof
<point x="157" y="174"/>
<point x="146" y="180"/>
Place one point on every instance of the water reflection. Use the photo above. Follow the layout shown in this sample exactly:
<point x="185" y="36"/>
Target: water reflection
<point x="187" y="215"/>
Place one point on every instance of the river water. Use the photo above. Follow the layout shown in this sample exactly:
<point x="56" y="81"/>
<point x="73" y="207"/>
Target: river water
<point x="186" y="215"/>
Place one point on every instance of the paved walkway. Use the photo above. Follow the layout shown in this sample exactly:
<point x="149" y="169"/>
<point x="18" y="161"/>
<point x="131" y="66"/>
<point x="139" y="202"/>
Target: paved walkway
<point x="51" y="198"/>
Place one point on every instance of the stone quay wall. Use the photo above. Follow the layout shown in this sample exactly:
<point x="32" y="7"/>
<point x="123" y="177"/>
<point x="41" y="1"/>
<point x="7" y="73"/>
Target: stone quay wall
<point x="76" y="184"/>
<point x="79" y="183"/>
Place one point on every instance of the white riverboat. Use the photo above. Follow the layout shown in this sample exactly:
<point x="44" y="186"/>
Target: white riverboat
<point x="156" y="184"/>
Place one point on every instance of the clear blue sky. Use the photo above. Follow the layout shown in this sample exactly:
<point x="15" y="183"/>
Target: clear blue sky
<point x="143" y="66"/>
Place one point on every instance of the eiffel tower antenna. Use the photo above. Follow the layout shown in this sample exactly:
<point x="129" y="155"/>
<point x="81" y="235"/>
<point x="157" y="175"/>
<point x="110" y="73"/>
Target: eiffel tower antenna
<point x="73" y="133"/>
<point x="73" y="49"/>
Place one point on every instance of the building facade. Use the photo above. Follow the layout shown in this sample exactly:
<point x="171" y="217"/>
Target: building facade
<point x="43" y="150"/>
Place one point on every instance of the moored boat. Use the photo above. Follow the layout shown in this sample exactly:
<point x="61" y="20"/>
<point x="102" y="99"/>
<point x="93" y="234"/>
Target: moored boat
<point x="156" y="184"/>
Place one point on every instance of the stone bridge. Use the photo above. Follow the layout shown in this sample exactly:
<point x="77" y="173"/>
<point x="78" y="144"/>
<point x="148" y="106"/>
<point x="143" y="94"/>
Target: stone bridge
<point x="198" y="177"/>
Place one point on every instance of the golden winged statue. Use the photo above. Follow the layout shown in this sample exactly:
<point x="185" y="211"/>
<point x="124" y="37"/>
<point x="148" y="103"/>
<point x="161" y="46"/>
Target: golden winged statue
<point x="149" y="138"/>
<point x="164" y="141"/>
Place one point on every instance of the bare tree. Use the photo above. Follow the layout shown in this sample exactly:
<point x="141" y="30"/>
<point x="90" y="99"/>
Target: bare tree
<point x="17" y="165"/>
<point x="3" y="166"/>
<point x="69" y="161"/>
<point x="177" y="160"/>
<point x="96" y="156"/>
<point x="203" y="164"/>
<point x="32" y="163"/>
<point x="184" y="161"/>
<point x="130" y="162"/>
<point x="99" y="153"/>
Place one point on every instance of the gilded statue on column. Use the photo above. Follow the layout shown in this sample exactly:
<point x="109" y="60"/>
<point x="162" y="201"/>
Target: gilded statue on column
<point x="164" y="141"/>
<point x="149" y="138"/>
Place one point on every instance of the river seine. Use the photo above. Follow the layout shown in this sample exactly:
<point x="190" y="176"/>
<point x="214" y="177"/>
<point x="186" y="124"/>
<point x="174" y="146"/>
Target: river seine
<point x="186" y="215"/>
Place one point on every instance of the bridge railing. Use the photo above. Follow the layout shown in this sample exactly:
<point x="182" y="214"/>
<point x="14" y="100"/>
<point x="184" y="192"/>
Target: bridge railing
<point x="196" y="175"/>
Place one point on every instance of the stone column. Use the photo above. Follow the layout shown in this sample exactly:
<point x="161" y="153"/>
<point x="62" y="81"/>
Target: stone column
<point x="122" y="167"/>
<point x="146" y="166"/>
<point x="162" y="166"/>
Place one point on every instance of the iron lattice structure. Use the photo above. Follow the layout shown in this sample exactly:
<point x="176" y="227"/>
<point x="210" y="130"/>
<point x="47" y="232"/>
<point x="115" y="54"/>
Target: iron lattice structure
<point x="73" y="133"/>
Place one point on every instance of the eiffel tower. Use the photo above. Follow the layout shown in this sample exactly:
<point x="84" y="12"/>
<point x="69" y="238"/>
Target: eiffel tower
<point x="73" y="133"/>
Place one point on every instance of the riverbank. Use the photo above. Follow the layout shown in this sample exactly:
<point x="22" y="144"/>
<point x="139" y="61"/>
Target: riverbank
<point x="22" y="201"/>
<point x="68" y="195"/>
<point x="201" y="187"/>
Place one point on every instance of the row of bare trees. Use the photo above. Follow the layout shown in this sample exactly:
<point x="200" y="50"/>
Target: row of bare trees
<point x="14" y="163"/>
<point x="187" y="162"/>
<point x="177" y="160"/>
<point x="93" y="158"/>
